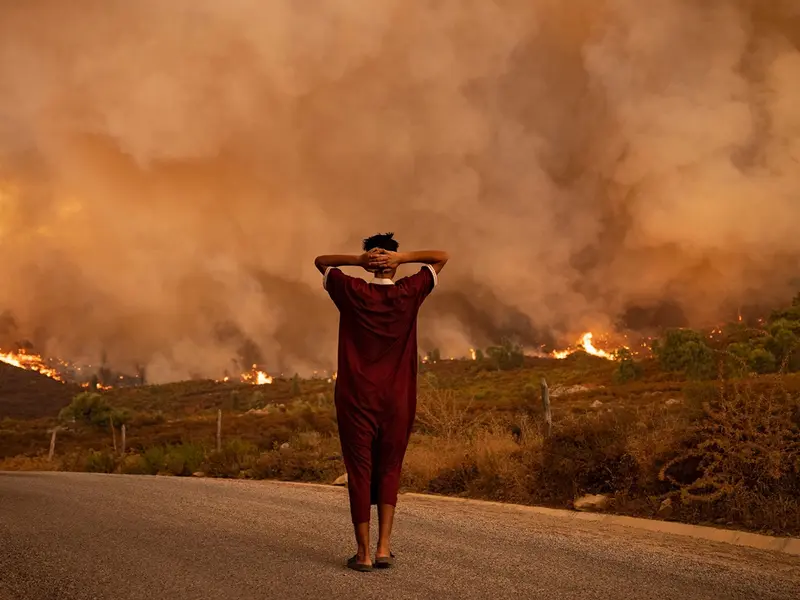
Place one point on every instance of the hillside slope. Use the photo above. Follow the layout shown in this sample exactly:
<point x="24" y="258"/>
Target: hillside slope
<point x="28" y="395"/>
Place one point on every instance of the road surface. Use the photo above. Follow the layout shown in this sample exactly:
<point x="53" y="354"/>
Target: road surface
<point x="82" y="536"/>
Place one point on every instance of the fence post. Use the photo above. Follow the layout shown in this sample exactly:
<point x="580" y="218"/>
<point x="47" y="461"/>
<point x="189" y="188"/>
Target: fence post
<point x="52" y="444"/>
<point x="123" y="439"/>
<point x="548" y="417"/>
<point x="219" y="430"/>
<point x="113" y="433"/>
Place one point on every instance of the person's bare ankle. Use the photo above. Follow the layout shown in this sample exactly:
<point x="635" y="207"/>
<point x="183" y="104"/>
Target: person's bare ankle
<point x="383" y="552"/>
<point x="362" y="556"/>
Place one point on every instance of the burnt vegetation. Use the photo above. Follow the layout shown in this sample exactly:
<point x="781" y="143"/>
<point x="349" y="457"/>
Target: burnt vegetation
<point x="706" y="429"/>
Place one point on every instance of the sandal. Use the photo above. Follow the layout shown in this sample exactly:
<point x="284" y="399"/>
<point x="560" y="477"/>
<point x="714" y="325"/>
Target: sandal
<point x="352" y="563"/>
<point x="384" y="562"/>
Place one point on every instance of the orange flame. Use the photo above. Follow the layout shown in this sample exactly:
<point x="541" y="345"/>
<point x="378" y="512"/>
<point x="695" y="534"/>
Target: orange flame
<point x="29" y="362"/>
<point x="255" y="377"/>
<point x="585" y="344"/>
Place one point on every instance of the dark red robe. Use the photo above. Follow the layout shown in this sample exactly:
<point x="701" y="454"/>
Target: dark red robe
<point x="376" y="383"/>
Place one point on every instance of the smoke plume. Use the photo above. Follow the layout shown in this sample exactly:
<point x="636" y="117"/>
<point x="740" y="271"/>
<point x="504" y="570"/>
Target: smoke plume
<point x="170" y="168"/>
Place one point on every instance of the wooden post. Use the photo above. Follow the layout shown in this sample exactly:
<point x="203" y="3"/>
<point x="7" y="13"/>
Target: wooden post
<point x="113" y="433"/>
<point x="123" y="439"/>
<point x="548" y="417"/>
<point x="219" y="430"/>
<point x="52" y="444"/>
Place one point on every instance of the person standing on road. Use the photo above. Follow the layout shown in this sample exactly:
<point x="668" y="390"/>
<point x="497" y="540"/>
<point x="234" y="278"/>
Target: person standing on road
<point x="376" y="383"/>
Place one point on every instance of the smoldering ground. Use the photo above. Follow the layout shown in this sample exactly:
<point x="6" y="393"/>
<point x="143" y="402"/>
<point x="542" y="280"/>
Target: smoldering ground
<point x="169" y="169"/>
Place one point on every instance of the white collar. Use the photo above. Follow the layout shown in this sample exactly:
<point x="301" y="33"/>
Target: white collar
<point x="382" y="281"/>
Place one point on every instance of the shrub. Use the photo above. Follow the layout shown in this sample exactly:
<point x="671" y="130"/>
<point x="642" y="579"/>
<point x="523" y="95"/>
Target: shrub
<point x="308" y="458"/>
<point x="762" y="361"/>
<point x="135" y="464"/>
<point x="296" y="391"/>
<point x="627" y="368"/>
<point x="236" y="456"/>
<point x="91" y="408"/>
<point x="183" y="459"/>
<point x="155" y="459"/>
<point x="685" y="351"/>
<point x="442" y="413"/>
<point x="743" y="457"/>
<point x="100" y="462"/>
<point x="506" y="356"/>
<point x="587" y="455"/>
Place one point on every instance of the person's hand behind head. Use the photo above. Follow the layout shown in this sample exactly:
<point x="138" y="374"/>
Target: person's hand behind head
<point x="386" y="260"/>
<point x="371" y="261"/>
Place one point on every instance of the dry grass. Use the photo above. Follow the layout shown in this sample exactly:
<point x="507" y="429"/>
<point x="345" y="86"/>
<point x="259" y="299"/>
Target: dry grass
<point x="722" y="454"/>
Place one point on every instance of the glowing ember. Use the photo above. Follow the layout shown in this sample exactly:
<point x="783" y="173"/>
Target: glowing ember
<point x="98" y="386"/>
<point x="587" y="346"/>
<point x="29" y="362"/>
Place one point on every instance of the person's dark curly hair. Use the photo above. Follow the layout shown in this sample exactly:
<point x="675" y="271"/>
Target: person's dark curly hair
<point x="384" y="241"/>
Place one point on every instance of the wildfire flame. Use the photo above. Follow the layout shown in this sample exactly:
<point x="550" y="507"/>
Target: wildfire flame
<point x="587" y="346"/>
<point x="29" y="362"/>
<point x="473" y="355"/>
<point x="98" y="385"/>
<point x="255" y="377"/>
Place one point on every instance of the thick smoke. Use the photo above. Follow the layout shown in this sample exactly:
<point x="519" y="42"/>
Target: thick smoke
<point x="169" y="169"/>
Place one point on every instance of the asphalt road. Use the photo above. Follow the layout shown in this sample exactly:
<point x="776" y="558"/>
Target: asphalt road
<point x="81" y="536"/>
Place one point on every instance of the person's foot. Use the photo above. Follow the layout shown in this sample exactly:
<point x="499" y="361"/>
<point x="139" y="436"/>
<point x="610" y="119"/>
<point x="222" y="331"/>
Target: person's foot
<point x="384" y="561"/>
<point x="357" y="564"/>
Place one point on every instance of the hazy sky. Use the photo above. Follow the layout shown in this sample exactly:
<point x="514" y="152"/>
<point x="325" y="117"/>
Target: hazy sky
<point x="170" y="168"/>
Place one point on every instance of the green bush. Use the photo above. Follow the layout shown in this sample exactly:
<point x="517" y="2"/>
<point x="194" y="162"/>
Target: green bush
<point x="236" y="456"/>
<point x="685" y="351"/>
<point x="100" y="462"/>
<point x="762" y="361"/>
<point x="91" y="408"/>
<point x="155" y="459"/>
<point x="627" y="368"/>
<point x="183" y="459"/>
<point x="737" y="361"/>
<point x="135" y="464"/>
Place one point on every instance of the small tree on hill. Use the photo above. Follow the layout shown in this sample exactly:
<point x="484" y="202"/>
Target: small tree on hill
<point x="90" y="408"/>
<point x="685" y="351"/>
<point x="506" y="356"/>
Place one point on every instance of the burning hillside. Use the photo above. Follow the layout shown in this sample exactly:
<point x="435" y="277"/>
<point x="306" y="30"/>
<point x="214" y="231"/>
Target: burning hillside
<point x="101" y="378"/>
<point x="585" y="344"/>
<point x="30" y="362"/>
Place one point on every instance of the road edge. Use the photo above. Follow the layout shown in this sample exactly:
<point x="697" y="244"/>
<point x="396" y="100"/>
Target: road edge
<point x="785" y="545"/>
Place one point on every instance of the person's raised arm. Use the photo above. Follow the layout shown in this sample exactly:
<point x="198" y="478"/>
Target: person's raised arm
<point x="391" y="260"/>
<point x="365" y="261"/>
